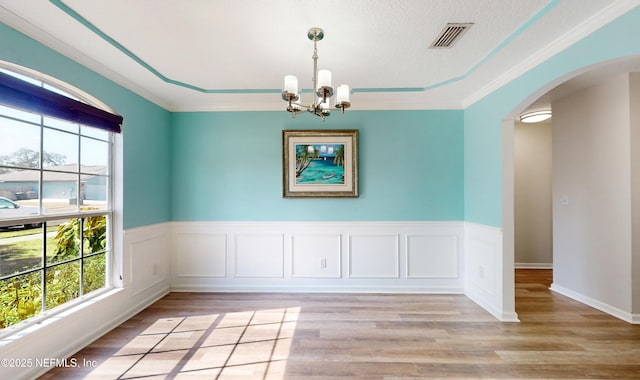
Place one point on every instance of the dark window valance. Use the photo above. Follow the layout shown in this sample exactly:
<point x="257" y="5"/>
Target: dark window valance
<point x="29" y="97"/>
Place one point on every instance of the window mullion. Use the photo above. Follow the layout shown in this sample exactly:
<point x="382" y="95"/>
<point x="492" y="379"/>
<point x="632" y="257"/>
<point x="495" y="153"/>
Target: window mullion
<point x="81" y="232"/>
<point x="109" y="259"/>
<point x="41" y="166"/>
<point x="44" y="267"/>
<point x="44" y="225"/>
<point x="79" y="185"/>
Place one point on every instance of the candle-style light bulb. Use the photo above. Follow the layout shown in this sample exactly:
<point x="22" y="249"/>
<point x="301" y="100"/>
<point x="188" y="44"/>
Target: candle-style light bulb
<point x="324" y="78"/>
<point x="342" y="94"/>
<point x="290" y="84"/>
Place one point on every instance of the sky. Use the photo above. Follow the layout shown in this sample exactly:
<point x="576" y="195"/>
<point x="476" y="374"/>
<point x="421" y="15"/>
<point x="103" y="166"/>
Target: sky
<point x="15" y="135"/>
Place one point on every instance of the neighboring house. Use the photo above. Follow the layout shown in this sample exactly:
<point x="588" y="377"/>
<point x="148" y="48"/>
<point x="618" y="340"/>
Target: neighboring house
<point x="60" y="183"/>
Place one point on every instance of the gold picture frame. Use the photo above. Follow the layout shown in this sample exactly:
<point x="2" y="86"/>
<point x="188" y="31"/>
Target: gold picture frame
<point x="320" y="163"/>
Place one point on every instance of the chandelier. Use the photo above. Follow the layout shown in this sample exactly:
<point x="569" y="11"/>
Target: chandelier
<point x="322" y="88"/>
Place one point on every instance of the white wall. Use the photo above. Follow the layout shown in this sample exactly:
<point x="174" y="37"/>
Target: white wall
<point x="635" y="191"/>
<point x="592" y="196"/>
<point x="533" y="218"/>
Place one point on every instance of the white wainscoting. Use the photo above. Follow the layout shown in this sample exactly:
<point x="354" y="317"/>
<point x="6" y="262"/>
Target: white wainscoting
<point x="259" y="255"/>
<point x="374" y="256"/>
<point x="428" y="256"/>
<point x="485" y="271"/>
<point x="148" y="250"/>
<point x="208" y="255"/>
<point x="318" y="256"/>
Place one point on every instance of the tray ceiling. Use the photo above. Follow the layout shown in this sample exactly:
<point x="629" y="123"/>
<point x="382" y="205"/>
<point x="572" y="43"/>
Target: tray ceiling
<point x="202" y="55"/>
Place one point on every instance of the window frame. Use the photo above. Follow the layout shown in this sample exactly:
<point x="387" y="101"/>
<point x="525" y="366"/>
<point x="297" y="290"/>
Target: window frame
<point x="114" y="171"/>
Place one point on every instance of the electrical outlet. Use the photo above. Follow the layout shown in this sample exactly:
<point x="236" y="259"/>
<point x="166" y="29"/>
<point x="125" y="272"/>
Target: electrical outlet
<point x="323" y="263"/>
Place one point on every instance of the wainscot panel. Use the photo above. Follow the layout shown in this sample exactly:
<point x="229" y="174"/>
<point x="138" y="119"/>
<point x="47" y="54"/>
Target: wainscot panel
<point x="430" y="256"/>
<point x="259" y="255"/>
<point x="424" y="257"/>
<point x="201" y="254"/>
<point x="374" y="256"/>
<point x="149" y="260"/>
<point x="316" y="256"/>
<point x="485" y="270"/>
<point x="148" y="251"/>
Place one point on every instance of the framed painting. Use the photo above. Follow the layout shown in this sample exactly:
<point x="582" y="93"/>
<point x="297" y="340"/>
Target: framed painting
<point x="320" y="163"/>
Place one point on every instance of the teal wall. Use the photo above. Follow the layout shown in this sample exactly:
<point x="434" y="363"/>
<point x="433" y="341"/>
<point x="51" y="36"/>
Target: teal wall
<point x="414" y="165"/>
<point x="228" y="166"/>
<point x="483" y="120"/>
<point x="147" y="159"/>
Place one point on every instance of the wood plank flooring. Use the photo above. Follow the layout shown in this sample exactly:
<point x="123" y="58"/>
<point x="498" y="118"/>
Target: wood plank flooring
<point x="363" y="336"/>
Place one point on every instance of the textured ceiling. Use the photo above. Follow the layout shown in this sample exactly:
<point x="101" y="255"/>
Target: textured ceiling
<point x="232" y="54"/>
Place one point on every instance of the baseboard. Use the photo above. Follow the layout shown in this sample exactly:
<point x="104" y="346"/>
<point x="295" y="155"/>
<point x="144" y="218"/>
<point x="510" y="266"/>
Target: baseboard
<point x="604" y="307"/>
<point x="314" y="289"/>
<point x="533" y="265"/>
<point x="501" y="316"/>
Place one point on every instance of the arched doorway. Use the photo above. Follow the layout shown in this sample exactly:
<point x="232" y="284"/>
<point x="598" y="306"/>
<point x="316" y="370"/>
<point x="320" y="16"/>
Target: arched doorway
<point x="561" y="88"/>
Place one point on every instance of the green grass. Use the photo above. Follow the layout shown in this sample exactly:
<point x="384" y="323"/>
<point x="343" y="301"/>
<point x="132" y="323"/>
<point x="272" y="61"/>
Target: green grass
<point x="25" y="254"/>
<point x="22" y="255"/>
<point x="22" y="232"/>
<point x="18" y="232"/>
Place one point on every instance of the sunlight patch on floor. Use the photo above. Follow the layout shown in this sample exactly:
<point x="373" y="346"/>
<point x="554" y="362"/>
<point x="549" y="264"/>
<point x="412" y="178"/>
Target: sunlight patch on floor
<point x="249" y="344"/>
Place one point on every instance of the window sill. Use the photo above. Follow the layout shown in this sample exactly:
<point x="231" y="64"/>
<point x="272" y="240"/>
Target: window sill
<point x="33" y="324"/>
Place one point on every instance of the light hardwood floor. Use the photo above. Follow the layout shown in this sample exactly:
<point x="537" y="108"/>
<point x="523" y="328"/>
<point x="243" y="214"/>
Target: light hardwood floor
<point x="363" y="336"/>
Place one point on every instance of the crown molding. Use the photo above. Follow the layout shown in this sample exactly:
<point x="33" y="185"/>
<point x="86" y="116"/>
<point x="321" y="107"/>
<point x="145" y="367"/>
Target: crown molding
<point x="36" y="33"/>
<point x="595" y="22"/>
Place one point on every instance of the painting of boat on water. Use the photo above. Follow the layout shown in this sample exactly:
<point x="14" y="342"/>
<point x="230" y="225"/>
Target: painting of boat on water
<point x="320" y="164"/>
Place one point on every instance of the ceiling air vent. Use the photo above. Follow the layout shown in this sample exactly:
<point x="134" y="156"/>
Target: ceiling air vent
<point x="449" y="35"/>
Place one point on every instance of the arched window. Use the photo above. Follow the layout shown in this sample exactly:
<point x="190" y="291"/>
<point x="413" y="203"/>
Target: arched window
<point x="56" y="186"/>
